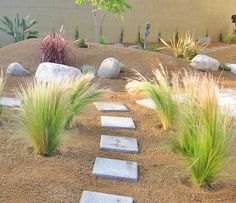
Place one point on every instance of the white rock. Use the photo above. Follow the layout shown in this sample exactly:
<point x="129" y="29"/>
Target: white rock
<point x="135" y="47"/>
<point x="109" y="68"/>
<point x="204" y="62"/>
<point x="119" y="45"/>
<point x="232" y="68"/>
<point x="16" y="69"/>
<point x="48" y="72"/>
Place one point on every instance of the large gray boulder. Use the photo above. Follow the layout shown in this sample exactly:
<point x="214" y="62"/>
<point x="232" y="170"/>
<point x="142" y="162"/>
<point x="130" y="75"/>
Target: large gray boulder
<point x="50" y="72"/>
<point x="206" y="63"/>
<point x="16" y="69"/>
<point x="109" y="68"/>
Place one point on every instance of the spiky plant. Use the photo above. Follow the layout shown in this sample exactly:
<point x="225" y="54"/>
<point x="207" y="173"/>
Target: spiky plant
<point x="204" y="132"/>
<point x="160" y="91"/>
<point x="42" y="114"/>
<point x="186" y="46"/>
<point x="88" y="69"/>
<point x="82" y="93"/>
<point x="19" y="29"/>
<point x="54" y="48"/>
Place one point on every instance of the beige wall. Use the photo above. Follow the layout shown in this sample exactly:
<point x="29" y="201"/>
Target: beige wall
<point x="164" y="15"/>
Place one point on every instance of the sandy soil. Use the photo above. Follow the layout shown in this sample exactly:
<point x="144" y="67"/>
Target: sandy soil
<point x="26" y="177"/>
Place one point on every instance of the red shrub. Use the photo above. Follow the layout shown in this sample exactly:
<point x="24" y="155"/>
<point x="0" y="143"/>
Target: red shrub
<point x="53" y="48"/>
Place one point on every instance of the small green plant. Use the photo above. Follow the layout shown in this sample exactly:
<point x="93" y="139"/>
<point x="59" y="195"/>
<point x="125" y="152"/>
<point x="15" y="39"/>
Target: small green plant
<point x="102" y="40"/>
<point x="81" y="43"/>
<point x="42" y="115"/>
<point x="138" y="35"/>
<point x="186" y="47"/>
<point x="82" y="93"/>
<point x="121" y="35"/>
<point x="88" y="69"/>
<point x="225" y="67"/>
<point x="220" y="37"/>
<point x="19" y="29"/>
<point x="76" y="33"/>
<point x="160" y="91"/>
<point x="229" y="37"/>
<point x="204" y="132"/>
<point x="122" y="67"/>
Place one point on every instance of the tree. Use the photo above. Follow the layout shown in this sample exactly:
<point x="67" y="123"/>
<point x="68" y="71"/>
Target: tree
<point x="113" y="6"/>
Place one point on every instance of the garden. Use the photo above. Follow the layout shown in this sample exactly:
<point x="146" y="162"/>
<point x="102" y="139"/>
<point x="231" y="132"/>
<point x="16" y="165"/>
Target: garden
<point x="99" y="122"/>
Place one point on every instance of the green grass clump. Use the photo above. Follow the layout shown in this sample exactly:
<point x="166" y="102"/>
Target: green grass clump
<point x="160" y="91"/>
<point x="48" y="108"/>
<point x="82" y="93"/>
<point x="88" y="69"/>
<point x="42" y="115"/>
<point x="204" y="132"/>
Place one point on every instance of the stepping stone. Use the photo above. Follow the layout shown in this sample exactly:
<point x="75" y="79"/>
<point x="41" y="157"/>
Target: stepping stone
<point x="110" y="106"/>
<point x="98" y="197"/>
<point x="147" y="102"/>
<point x="9" y="102"/>
<point x="119" y="144"/>
<point x="117" y="122"/>
<point x="115" y="169"/>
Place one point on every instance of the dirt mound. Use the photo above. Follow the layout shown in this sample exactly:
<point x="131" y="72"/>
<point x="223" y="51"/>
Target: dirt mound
<point x="27" y="53"/>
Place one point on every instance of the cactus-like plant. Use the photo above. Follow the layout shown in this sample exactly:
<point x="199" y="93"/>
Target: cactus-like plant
<point x="19" y="29"/>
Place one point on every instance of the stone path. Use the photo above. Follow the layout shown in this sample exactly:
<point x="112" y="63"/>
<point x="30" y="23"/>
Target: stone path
<point x="97" y="197"/>
<point x="119" y="144"/>
<point x="227" y="101"/>
<point x="9" y="102"/>
<point x="114" y="168"/>
<point x="117" y="122"/>
<point x="110" y="106"/>
<point x="219" y="48"/>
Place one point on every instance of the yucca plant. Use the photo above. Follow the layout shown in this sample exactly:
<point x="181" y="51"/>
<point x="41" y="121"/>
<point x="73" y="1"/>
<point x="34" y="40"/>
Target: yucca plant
<point x="54" y="48"/>
<point x="82" y="93"/>
<point x="160" y="91"/>
<point x="19" y="29"/>
<point x="42" y="114"/>
<point x="204" y="132"/>
<point x="186" y="46"/>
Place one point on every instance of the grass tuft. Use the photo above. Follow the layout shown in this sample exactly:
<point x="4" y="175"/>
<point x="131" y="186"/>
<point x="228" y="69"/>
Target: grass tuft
<point x="160" y="91"/>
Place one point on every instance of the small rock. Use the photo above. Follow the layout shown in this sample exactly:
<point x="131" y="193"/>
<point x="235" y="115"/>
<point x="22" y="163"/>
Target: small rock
<point x="204" y="39"/>
<point x="206" y="63"/>
<point x="109" y="68"/>
<point x="119" y="45"/>
<point x="48" y="72"/>
<point x="16" y="69"/>
<point x="135" y="47"/>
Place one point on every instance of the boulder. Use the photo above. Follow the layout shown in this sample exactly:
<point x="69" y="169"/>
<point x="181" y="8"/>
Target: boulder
<point x="16" y="69"/>
<point x="206" y="63"/>
<point x="49" y="72"/>
<point x="109" y="68"/>
<point x="119" y="45"/>
<point x="232" y="68"/>
<point x="135" y="47"/>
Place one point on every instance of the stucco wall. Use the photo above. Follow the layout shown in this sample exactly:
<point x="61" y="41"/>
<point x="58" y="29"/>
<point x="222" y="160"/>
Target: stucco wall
<point x="164" y="15"/>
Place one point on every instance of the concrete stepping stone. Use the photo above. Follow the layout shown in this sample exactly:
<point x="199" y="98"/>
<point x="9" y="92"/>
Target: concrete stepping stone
<point x="117" y="122"/>
<point x="147" y="102"/>
<point x="110" y="106"/>
<point x="119" y="144"/>
<point x="116" y="169"/>
<point x="9" y="102"/>
<point x="98" y="197"/>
